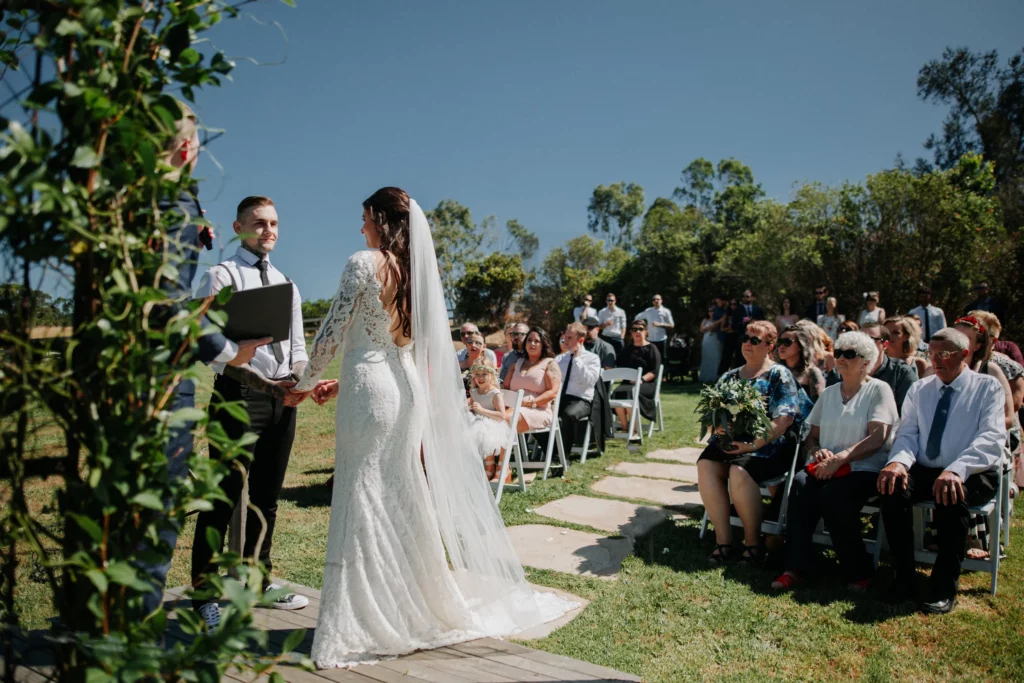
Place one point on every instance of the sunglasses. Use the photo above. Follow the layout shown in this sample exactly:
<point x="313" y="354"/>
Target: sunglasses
<point x="787" y="342"/>
<point x="848" y="354"/>
<point x="943" y="355"/>
<point x="638" y="329"/>
<point x="819" y="292"/>
<point x="517" y="334"/>
<point x="753" y="341"/>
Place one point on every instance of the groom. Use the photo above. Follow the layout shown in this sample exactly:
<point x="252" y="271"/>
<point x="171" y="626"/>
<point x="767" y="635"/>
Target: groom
<point x="262" y="385"/>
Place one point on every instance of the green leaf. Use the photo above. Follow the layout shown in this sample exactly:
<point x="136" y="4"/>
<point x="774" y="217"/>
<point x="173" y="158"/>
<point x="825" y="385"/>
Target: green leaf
<point x="290" y="3"/>
<point x="293" y="640"/>
<point x="122" y="573"/>
<point x="99" y="579"/>
<point x="68" y="27"/>
<point x="85" y="157"/>
<point x="185" y="415"/>
<point x="88" y="526"/>
<point x="94" y="675"/>
<point x="148" y="499"/>
<point x="214" y="539"/>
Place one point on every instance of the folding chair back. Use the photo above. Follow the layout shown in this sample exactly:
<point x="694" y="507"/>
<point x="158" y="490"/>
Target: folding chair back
<point x="511" y="449"/>
<point x="658" y="420"/>
<point x="616" y="376"/>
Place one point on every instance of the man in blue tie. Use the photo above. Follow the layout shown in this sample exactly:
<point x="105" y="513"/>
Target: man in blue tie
<point x="947" y="448"/>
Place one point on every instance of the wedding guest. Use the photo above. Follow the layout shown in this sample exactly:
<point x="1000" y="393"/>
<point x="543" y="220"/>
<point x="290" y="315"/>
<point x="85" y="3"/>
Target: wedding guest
<point x="710" y="347"/>
<point x="613" y="323"/>
<point x="932" y="318"/>
<point x="747" y="312"/>
<point x="489" y="421"/>
<point x="894" y="372"/>
<point x="474" y="351"/>
<point x="819" y="307"/>
<point x="537" y="374"/>
<point x="730" y="338"/>
<point x="851" y="426"/>
<point x="786" y="317"/>
<point x="585" y="310"/>
<point x="270" y="416"/>
<point x="872" y="312"/>
<point x="516" y="335"/>
<point x="818" y="338"/>
<point x="465" y="331"/>
<point x="659" y="323"/>
<point x="733" y="473"/>
<point x="980" y="361"/>
<point x="561" y="343"/>
<point x="832" y="319"/>
<point x="947" y="449"/>
<point x="580" y="370"/>
<point x="796" y="350"/>
<point x="984" y="302"/>
<point x="643" y="355"/>
<point x="904" y="338"/>
<point x="597" y="345"/>
<point x="995" y="331"/>
<point x="1013" y="369"/>
<point x="848" y="326"/>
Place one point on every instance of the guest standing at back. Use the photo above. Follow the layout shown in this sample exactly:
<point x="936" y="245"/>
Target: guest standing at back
<point x="613" y="323"/>
<point x="872" y="313"/>
<point x="659" y="324"/>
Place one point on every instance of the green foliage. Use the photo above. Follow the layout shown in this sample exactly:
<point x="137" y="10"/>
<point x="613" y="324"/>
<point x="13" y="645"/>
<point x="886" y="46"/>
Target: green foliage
<point x="457" y="241"/>
<point x="613" y="210"/>
<point x="523" y="242"/>
<point x="315" y="309"/>
<point x="83" y="177"/>
<point x="489" y="287"/>
<point x="46" y="310"/>
<point x="735" y="406"/>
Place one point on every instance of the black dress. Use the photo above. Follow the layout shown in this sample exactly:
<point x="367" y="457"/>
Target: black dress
<point x="648" y="360"/>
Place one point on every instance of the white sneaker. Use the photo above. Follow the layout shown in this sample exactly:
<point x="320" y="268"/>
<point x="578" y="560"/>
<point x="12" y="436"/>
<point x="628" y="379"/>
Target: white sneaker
<point x="210" y="612"/>
<point x="288" y="600"/>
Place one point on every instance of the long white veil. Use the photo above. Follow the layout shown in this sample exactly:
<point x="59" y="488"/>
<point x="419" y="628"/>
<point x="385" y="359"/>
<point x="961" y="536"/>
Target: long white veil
<point x="485" y="564"/>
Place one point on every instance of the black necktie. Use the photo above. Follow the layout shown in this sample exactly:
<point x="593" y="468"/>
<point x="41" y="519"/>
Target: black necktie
<point x="565" y="380"/>
<point x="262" y="266"/>
<point x="927" y="326"/>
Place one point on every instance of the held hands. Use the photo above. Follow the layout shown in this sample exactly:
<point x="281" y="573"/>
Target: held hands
<point x="247" y="349"/>
<point x="948" y="489"/>
<point x="892" y="478"/>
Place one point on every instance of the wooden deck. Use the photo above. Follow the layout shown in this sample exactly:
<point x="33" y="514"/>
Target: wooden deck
<point x="481" y="661"/>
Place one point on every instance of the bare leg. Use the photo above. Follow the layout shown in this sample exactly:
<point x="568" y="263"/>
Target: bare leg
<point x="621" y="413"/>
<point x="746" y="496"/>
<point x="712" y="478"/>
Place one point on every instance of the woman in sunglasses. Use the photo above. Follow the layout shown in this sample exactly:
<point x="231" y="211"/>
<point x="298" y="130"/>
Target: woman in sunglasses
<point x="642" y="354"/>
<point x="848" y="444"/>
<point x="737" y="470"/>
<point x="796" y="350"/>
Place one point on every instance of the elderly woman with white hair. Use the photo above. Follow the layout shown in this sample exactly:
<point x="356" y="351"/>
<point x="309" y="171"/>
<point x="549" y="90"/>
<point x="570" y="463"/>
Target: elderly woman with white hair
<point x="851" y="431"/>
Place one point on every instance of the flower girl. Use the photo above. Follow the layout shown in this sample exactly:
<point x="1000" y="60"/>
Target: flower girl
<point x="488" y="421"/>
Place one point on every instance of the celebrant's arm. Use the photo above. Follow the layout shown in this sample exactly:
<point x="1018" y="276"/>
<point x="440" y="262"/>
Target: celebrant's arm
<point x="248" y="376"/>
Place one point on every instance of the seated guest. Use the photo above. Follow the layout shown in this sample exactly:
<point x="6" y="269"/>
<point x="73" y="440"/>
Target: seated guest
<point x="904" y="338"/>
<point x="488" y="420"/>
<point x="1013" y="370"/>
<point x="848" y="326"/>
<point x="980" y="360"/>
<point x="464" y="332"/>
<point x="1008" y="348"/>
<point x="947" y="447"/>
<point x="643" y="355"/>
<point x="737" y="470"/>
<point x="474" y="352"/>
<point x="796" y="350"/>
<point x="897" y="374"/>
<point x="851" y="425"/>
<point x="580" y="371"/>
<point x="832" y="319"/>
<point x="818" y="338"/>
<point x="596" y="345"/>
<point x="515" y="336"/>
<point x="537" y="374"/>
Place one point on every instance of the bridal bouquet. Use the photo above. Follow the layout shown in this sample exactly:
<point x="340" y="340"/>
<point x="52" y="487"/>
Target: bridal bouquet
<point x="737" y="407"/>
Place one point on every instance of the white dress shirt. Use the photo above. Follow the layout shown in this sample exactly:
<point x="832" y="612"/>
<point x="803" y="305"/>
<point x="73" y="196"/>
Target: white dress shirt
<point x="488" y="354"/>
<point x="618" y="318"/>
<point x="975" y="432"/>
<point x="658" y="314"/>
<point x="240" y="271"/>
<point x="581" y="313"/>
<point x="936" y="321"/>
<point x="586" y="370"/>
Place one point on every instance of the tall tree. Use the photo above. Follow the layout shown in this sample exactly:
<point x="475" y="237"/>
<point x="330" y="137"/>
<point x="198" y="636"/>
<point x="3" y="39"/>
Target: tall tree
<point x="521" y="240"/>
<point x="613" y="210"/>
<point x="489" y="287"/>
<point x="457" y="241"/>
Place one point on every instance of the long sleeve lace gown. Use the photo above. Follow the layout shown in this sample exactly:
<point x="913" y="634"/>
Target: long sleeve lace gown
<point x="387" y="587"/>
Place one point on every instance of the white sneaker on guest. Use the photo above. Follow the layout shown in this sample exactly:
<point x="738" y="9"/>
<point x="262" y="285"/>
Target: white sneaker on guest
<point x="288" y="600"/>
<point x="210" y="612"/>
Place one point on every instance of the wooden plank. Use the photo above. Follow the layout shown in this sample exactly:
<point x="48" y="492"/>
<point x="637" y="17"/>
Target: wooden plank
<point x="344" y="676"/>
<point x="557" y="673"/>
<point x="578" y="666"/>
<point x="421" y="671"/>
<point x="502" y="669"/>
<point x="448" y="661"/>
<point x="376" y="672"/>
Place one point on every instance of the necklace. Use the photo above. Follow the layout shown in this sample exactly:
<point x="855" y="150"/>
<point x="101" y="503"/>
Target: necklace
<point x="843" y="395"/>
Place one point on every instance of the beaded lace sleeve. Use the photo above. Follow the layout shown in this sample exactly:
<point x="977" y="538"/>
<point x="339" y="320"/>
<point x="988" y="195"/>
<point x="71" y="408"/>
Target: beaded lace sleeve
<point x="359" y="272"/>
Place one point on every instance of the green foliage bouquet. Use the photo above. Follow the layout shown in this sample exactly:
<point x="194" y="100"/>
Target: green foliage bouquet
<point x="735" y="406"/>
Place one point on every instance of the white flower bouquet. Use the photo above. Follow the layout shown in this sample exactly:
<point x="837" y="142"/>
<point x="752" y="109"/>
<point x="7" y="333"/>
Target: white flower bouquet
<point x="736" y="407"/>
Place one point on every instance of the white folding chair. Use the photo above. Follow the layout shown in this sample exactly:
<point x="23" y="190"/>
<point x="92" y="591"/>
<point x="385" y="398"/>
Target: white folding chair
<point x="584" y="450"/>
<point x="659" y="421"/>
<point x="777" y="527"/>
<point x="616" y="376"/>
<point x="511" y="450"/>
<point x="822" y="537"/>
<point x="554" y="432"/>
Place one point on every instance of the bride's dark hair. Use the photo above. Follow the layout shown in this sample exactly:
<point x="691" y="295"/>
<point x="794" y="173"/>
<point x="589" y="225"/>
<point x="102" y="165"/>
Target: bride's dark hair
<point x="389" y="209"/>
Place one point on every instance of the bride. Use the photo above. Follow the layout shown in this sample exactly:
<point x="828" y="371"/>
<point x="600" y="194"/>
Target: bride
<point x="409" y="486"/>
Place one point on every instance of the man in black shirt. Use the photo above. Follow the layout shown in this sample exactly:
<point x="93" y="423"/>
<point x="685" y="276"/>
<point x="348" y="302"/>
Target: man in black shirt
<point x="894" y="372"/>
<point x="596" y="345"/>
<point x="818" y="307"/>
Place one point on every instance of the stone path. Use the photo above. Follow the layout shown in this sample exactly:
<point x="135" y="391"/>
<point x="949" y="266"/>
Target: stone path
<point x="626" y="519"/>
<point x="684" y="455"/>
<point x="657" y="470"/>
<point x="569" y="551"/>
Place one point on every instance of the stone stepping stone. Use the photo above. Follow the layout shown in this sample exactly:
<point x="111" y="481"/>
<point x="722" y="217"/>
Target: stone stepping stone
<point x="672" y="493"/>
<point x="544" y="630"/>
<point x="569" y="551"/>
<point x="687" y="456"/>
<point x="617" y="516"/>
<point x="657" y="470"/>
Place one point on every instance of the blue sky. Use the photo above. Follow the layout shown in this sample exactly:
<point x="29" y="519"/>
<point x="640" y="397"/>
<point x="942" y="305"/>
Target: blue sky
<point x="519" y="109"/>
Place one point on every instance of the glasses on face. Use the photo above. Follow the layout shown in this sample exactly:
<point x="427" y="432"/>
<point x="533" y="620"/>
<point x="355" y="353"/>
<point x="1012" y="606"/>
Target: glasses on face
<point x="518" y="335"/>
<point x="609" y="301"/>
<point x="848" y="354"/>
<point x="819" y="292"/>
<point x="637" y="329"/>
<point x="466" y="334"/>
<point x="753" y="341"/>
<point x="786" y="342"/>
<point x="943" y="355"/>
<point x="877" y="340"/>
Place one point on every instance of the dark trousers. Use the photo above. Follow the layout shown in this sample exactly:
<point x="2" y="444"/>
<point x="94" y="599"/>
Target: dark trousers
<point x="730" y="347"/>
<point x="662" y="347"/>
<point x="274" y="425"/>
<point x="951" y="523"/>
<point x="616" y="342"/>
<point x="178" y="450"/>
<point x="839" y="502"/>
<point x="571" y="413"/>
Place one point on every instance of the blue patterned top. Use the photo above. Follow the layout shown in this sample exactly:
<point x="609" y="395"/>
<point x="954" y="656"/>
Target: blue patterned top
<point x="782" y="396"/>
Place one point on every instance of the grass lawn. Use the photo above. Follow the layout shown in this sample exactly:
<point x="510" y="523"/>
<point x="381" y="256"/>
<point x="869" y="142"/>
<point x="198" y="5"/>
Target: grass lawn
<point x="670" y="617"/>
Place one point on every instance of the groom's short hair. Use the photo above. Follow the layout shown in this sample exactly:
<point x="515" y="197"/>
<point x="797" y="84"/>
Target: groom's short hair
<point x="251" y="203"/>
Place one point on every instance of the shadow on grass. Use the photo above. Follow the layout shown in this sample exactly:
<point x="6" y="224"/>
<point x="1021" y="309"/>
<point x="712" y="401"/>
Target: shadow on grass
<point x="308" y="496"/>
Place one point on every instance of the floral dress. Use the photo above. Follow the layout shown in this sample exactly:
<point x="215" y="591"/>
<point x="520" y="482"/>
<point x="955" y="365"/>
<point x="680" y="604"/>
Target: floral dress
<point x="782" y="396"/>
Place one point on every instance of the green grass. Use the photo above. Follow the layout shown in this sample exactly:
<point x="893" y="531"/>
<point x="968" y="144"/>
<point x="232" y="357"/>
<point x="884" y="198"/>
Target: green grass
<point x="669" y="617"/>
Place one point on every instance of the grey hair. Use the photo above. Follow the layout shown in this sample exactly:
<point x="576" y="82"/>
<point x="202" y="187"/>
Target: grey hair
<point x="952" y="337"/>
<point x="859" y="342"/>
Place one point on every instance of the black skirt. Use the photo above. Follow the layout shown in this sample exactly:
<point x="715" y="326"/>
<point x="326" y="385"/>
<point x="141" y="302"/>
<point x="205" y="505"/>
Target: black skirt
<point x="761" y="468"/>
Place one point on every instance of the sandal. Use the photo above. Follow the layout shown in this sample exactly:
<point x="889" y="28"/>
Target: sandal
<point x="753" y="555"/>
<point x="721" y="554"/>
<point x="787" y="581"/>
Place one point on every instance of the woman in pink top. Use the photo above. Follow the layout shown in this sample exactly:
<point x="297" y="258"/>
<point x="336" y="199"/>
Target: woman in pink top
<point x="539" y="378"/>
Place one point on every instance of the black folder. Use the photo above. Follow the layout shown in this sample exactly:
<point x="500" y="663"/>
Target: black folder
<point x="260" y="312"/>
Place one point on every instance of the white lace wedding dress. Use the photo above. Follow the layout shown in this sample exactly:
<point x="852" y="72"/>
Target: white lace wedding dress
<point x="388" y="588"/>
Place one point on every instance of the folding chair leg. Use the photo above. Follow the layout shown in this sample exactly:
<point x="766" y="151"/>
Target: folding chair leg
<point x="661" y="417"/>
<point x="586" y="444"/>
<point x="993" y="552"/>
<point x="879" y="540"/>
<point x="553" y="436"/>
<point x="562" y="455"/>
<point x="703" y="525"/>
<point x="502" y="473"/>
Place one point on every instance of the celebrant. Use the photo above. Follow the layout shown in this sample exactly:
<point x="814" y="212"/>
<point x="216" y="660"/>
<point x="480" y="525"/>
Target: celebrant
<point x="738" y="466"/>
